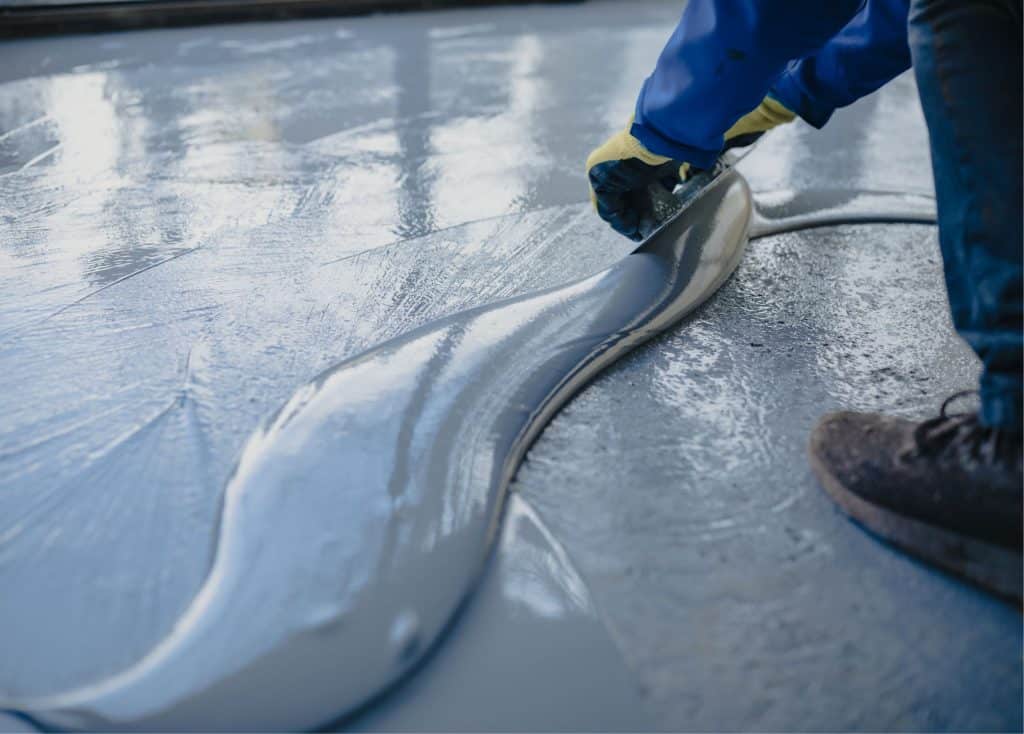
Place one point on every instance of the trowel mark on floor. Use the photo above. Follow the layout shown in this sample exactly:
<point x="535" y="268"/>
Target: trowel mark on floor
<point x="510" y="218"/>
<point x="88" y="540"/>
<point x="22" y="127"/>
<point x="13" y="331"/>
<point x="458" y="255"/>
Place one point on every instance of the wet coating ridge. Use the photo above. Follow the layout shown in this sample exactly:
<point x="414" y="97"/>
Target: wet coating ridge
<point x="383" y="480"/>
<point x="776" y="212"/>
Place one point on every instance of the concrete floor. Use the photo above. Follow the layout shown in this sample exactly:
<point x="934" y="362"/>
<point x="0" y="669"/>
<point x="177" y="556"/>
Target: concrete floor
<point x="198" y="220"/>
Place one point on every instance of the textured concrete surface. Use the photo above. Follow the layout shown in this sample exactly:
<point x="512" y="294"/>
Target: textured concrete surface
<point x="739" y="594"/>
<point x="197" y="221"/>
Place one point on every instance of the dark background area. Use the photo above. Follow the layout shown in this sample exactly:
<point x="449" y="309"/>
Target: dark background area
<point x="19" y="18"/>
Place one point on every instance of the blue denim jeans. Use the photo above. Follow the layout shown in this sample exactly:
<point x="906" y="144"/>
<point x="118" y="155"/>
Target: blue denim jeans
<point x="817" y="56"/>
<point x="967" y="59"/>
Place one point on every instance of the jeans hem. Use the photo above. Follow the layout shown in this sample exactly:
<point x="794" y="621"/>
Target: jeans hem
<point x="1002" y="411"/>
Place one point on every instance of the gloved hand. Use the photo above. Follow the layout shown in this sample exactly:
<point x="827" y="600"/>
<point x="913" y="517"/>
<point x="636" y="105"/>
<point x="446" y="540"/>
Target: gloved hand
<point x="622" y="170"/>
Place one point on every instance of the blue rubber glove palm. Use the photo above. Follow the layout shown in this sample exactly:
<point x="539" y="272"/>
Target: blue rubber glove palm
<point x="622" y="171"/>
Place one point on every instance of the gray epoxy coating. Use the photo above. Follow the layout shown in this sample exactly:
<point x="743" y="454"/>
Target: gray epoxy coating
<point x="180" y="205"/>
<point x="739" y="595"/>
<point x="530" y="652"/>
<point x="360" y="516"/>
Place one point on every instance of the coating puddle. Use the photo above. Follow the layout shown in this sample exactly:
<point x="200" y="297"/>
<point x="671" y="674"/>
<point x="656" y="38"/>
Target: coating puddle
<point x="418" y="439"/>
<point x="530" y="628"/>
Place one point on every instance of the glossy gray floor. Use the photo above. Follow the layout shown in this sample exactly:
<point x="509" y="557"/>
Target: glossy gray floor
<point x="197" y="221"/>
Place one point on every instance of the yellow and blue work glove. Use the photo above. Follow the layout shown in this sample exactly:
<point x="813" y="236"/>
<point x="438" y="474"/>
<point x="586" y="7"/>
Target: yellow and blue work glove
<point x="622" y="170"/>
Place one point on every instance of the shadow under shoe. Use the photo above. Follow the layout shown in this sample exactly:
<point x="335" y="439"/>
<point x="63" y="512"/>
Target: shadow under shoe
<point x="947" y="490"/>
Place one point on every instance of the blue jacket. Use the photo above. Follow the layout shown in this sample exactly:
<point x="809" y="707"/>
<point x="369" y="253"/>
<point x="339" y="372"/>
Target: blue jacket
<point x="726" y="55"/>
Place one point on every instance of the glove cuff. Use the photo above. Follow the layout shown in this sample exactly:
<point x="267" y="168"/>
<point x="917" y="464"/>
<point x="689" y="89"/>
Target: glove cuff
<point x="633" y="148"/>
<point x="762" y="118"/>
<point x="660" y="146"/>
<point x="775" y="112"/>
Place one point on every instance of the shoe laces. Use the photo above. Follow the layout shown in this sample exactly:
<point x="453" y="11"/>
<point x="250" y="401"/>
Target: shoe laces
<point x="963" y="433"/>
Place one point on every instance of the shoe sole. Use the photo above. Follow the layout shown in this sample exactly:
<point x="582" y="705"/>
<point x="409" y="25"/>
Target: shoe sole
<point x="993" y="567"/>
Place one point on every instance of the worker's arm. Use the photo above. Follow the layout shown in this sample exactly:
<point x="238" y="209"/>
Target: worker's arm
<point x="718" y="65"/>
<point x="708" y="89"/>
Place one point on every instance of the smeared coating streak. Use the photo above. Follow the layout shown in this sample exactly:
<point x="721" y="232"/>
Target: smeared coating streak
<point x="359" y="517"/>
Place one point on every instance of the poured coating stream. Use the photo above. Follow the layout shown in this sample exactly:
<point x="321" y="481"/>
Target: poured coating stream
<point x="383" y="480"/>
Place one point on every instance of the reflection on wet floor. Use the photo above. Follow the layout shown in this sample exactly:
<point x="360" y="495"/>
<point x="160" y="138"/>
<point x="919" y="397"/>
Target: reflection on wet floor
<point x="261" y="191"/>
<point x="359" y="517"/>
<point x="532" y="594"/>
<point x="198" y="220"/>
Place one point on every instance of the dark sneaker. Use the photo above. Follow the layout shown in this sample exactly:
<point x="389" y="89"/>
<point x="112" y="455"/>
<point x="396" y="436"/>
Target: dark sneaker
<point x="947" y="490"/>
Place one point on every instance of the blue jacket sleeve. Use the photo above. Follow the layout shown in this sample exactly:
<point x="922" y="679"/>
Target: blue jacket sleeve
<point x="718" y="65"/>
<point x="871" y="50"/>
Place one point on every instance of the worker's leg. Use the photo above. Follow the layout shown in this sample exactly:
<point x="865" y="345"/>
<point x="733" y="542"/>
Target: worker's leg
<point x="868" y="52"/>
<point x="949" y="489"/>
<point x="967" y="58"/>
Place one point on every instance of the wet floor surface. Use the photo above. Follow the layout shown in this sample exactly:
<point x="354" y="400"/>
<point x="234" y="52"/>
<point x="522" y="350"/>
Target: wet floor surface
<point x="197" y="221"/>
<point x="741" y="597"/>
